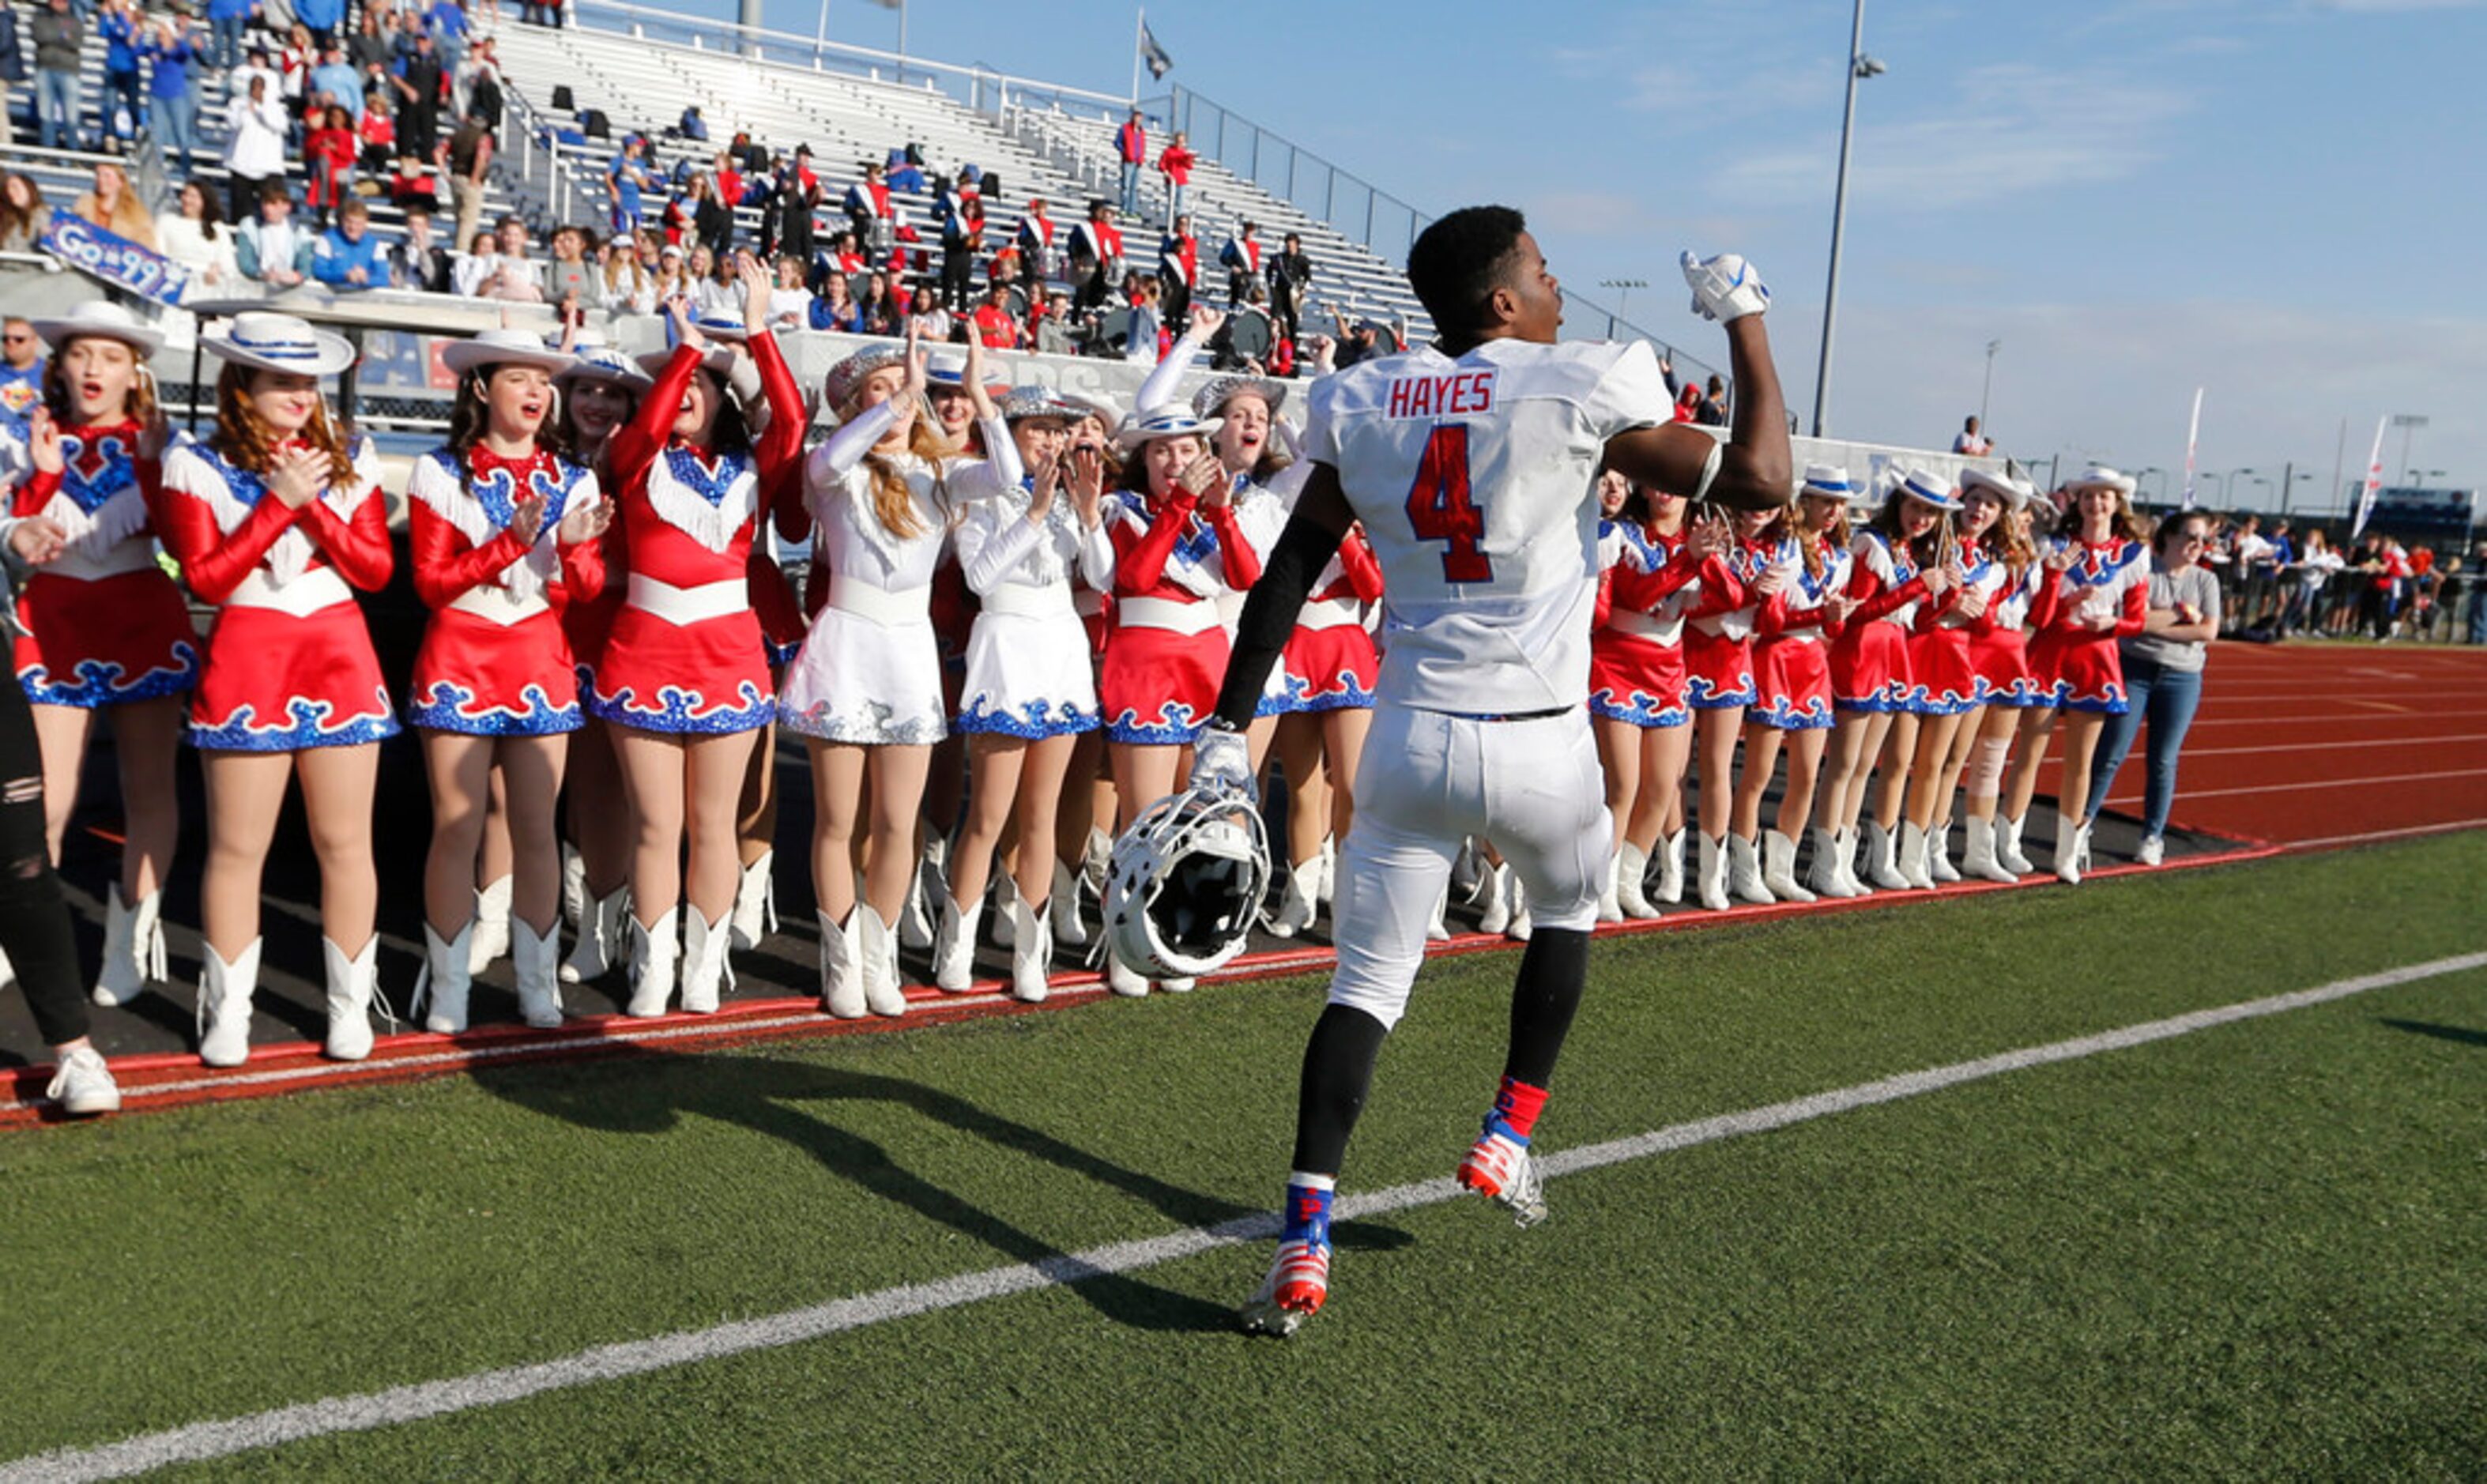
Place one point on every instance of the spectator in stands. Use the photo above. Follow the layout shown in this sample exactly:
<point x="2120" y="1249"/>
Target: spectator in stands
<point x="115" y="208"/>
<point x="368" y="48"/>
<point x="1242" y="256"/>
<point x="692" y="126"/>
<point x="1141" y="345"/>
<point x="711" y="216"/>
<point x="670" y="281"/>
<point x="570" y="281"/>
<point x="1095" y="254"/>
<point x="475" y="88"/>
<point x="906" y="170"/>
<point x="1132" y="142"/>
<point x="21" y="374"/>
<point x="793" y="194"/>
<point x="347" y="254"/>
<point x="329" y="151"/>
<point x="962" y="237"/>
<point x="626" y="179"/>
<point x="294" y="63"/>
<point x="790" y="303"/>
<point x="514" y="276"/>
<point x="58" y="38"/>
<point x="631" y="277"/>
<point x="465" y="160"/>
<point x="1291" y="278"/>
<point x="272" y="247"/>
<point x="1053" y="330"/>
<point x="255" y="65"/>
<point x="378" y="132"/>
<point x="24" y="217"/>
<point x="1713" y="411"/>
<point x="876" y="311"/>
<point x="997" y="328"/>
<point x="417" y="262"/>
<point x="1175" y="165"/>
<point x="1245" y="338"/>
<point x="1971" y="441"/>
<point x="418" y="79"/>
<point x="12" y="71"/>
<point x="1178" y="267"/>
<point x="445" y="23"/>
<point x="173" y="53"/>
<point x="122" y="28"/>
<point x="1358" y="341"/>
<point x="254" y="147"/>
<point x="833" y="307"/>
<point x="195" y="235"/>
<point x="227" y="19"/>
<point x="335" y="80"/>
<point x="322" y="17"/>
<point x="868" y="210"/>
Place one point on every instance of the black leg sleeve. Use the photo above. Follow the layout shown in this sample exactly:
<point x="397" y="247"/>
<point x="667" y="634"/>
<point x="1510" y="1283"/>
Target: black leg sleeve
<point x="1338" y="1068"/>
<point x="1552" y="973"/>
<point x="34" y="919"/>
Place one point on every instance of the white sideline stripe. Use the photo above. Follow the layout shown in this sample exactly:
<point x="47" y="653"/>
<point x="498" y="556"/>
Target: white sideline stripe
<point x="2442" y="827"/>
<point x="2358" y="744"/>
<point x="203" y="1441"/>
<point x="2324" y="783"/>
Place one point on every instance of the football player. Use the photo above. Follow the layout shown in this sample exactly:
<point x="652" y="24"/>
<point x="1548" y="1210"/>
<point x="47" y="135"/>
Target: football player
<point x="1472" y="464"/>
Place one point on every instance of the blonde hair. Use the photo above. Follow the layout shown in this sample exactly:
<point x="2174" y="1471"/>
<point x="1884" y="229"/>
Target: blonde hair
<point x="893" y="503"/>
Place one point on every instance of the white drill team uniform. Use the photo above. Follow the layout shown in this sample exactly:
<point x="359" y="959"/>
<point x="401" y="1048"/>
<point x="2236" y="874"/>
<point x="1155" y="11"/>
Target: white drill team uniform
<point x="1474" y="478"/>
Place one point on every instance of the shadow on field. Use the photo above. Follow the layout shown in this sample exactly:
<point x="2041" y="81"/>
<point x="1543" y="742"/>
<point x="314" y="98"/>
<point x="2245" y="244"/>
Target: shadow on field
<point x="2459" y="1034"/>
<point x="654" y="1093"/>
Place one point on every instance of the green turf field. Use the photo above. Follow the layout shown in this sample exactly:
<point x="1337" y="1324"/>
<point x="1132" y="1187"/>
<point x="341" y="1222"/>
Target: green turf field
<point x="2259" y="1251"/>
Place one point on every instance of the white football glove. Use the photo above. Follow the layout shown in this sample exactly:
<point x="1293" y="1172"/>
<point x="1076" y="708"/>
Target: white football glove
<point x="1726" y="287"/>
<point x="1222" y="760"/>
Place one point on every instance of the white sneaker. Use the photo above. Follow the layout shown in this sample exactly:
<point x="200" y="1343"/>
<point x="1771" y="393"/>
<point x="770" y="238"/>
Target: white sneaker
<point x="83" y="1086"/>
<point x="2154" y="850"/>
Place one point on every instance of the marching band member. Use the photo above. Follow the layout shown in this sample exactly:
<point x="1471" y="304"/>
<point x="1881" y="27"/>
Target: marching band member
<point x="1030" y="692"/>
<point x="276" y="519"/>
<point x="1637" y="677"/>
<point x="685" y="679"/>
<point x="98" y="623"/>
<point x="868" y="683"/>
<point x="2101" y="574"/>
<point x="1792" y="673"/>
<point x="504" y="533"/>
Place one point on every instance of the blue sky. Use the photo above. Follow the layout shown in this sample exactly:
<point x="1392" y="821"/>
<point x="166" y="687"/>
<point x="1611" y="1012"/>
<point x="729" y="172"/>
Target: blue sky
<point x="2282" y="201"/>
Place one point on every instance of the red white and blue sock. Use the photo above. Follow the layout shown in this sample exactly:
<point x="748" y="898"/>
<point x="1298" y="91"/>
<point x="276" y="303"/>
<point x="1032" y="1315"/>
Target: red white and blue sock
<point x="1305" y="1214"/>
<point x="1514" y="1111"/>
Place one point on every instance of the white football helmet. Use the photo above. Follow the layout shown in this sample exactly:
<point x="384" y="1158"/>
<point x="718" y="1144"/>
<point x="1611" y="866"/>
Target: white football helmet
<point x="1186" y="884"/>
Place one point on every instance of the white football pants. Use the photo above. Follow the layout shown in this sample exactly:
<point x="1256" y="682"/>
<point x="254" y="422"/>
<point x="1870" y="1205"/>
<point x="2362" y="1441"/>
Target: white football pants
<point x="1425" y="782"/>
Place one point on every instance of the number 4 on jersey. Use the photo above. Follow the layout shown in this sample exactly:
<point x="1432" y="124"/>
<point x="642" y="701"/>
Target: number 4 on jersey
<point x="1439" y="507"/>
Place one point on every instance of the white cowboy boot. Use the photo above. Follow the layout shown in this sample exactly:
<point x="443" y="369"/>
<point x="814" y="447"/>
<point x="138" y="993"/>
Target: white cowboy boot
<point x="654" y="951"/>
<point x="755" y="903"/>
<point x="1632" y="883"/>
<point x="1610" y="907"/>
<point x="841" y="970"/>
<point x="440" y="990"/>
<point x="1911" y="861"/>
<point x="1300" y="901"/>
<point x="224" y="1005"/>
<point x="878" y="947"/>
<point x="954" y="945"/>
<point x="600" y="938"/>
<point x="1980" y="860"/>
<point x="1712" y="883"/>
<point x="133" y="948"/>
<point x="1328" y="882"/>
<point x="1779" y="868"/>
<point x="351" y="984"/>
<point x="1122" y="978"/>
<point x="1031" y="952"/>
<point x="1521" y="926"/>
<point x="1005" y="891"/>
<point x="1744" y="872"/>
<point x="916" y="913"/>
<point x="1939" y="853"/>
<point x="1670" y="869"/>
<point x="1064" y="906"/>
<point x="706" y="974"/>
<point x="1849" y="843"/>
<point x="1822" y="871"/>
<point x="2071" y="850"/>
<point x="573" y="885"/>
<point x="2008" y="846"/>
<point x="1500" y="884"/>
<point x="491" y="941"/>
<point x="1880" y="868"/>
<point x="1439" y="929"/>
<point x="535" y="957"/>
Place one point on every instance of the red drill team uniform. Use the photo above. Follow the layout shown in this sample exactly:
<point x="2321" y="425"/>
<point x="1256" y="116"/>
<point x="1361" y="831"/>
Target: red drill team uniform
<point x="1330" y="664"/>
<point x="1718" y="642"/>
<point x="1792" y="646"/>
<point x="290" y="664"/>
<point x="495" y="660"/>
<point x="100" y="624"/>
<point x="1998" y="644"/>
<point x="1944" y="677"/>
<point x="1167" y="651"/>
<point x="2080" y="668"/>
<point x="1869" y="664"/>
<point x="1636" y="650"/>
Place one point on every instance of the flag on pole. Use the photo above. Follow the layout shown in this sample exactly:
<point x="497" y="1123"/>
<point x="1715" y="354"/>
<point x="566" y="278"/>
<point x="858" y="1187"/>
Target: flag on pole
<point x="2193" y="436"/>
<point x="2374" y="480"/>
<point x="1154" y="55"/>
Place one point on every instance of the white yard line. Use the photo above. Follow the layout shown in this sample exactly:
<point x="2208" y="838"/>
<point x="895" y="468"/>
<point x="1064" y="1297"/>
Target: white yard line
<point x="202" y="1440"/>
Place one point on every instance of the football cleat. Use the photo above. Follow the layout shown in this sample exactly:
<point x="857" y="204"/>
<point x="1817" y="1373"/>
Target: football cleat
<point x="1726" y="287"/>
<point x="1299" y="1281"/>
<point x="1505" y="1173"/>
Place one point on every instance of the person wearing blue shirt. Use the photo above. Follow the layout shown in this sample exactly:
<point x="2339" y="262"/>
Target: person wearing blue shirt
<point x="624" y="180"/>
<point x="321" y="17"/>
<point x="172" y="53"/>
<point x="337" y="77"/>
<point x="228" y="19"/>
<point x="446" y="21"/>
<point x="21" y="374"/>
<point x="121" y="29"/>
<point x="347" y="256"/>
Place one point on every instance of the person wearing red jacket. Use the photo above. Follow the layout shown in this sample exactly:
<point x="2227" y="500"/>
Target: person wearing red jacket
<point x="1792" y="679"/>
<point x="1175" y="165"/>
<point x="277" y="519"/>
<point x="504" y="534"/>
<point x="100" y="628"/>
<point x="2100" y="570"/>
<point x="1654" y="560"/>
<point x="684" y="677"/>
<point x="1131" y="144"/>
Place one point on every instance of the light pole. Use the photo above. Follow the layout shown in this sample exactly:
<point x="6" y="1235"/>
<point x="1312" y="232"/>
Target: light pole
<point x="2409" y="423"/>
<point x="2417" y="478"/>
<point x="1859" y="68"/>
<point x="1984" y="391"/>
<point x="2228" y="486"/>
<point x="1623" y="306"/>
<point x="2288" y="489"/>
<point x="2143" y="474"/>
<point x="2259" y="479"/>
<point x="2210" y="478"/>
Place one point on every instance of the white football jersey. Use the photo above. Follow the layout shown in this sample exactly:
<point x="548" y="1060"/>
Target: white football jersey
<point x="1474" y="478"/>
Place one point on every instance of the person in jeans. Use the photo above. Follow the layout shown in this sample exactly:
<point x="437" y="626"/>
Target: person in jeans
<point x="1132" y="142"/>
<point x="173" y="53"/>
<point x="2163" y="673"/>
<point x="123" y="30"/>
<point x="229" y="19"/>
<point x="58" y="35"/>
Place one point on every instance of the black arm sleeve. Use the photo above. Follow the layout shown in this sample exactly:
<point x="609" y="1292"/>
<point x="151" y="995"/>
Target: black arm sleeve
<point x="1270" y="613"/>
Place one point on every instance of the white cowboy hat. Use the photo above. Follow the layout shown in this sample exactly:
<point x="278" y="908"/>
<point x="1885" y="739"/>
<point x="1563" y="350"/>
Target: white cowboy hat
<point x="1097" y="405"/>
<point x="1151" y="424"/>
<point x="1026" y="402"/>
<point x="103" y="320"/>
<point x="1210" y="399"/>
<point x="713" y="325"/>
<point x="1829" y="481"/>
<point x="504" y="348"/>
<point x="2099" y="476"/>
<point x="2013" y="492"/>
<point x="603" y="363"/>
<point x="272" y="342"/>
<point x="718" y="361"/>
<point x="847" y="375"/>
<point x="1929" y="487"/>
